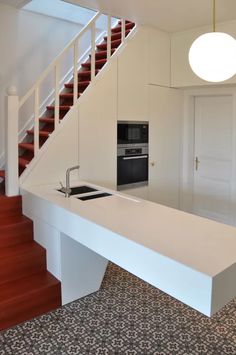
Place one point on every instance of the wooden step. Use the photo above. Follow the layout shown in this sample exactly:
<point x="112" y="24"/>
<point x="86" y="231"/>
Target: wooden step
<point x="48" y="120"/>
<point x="27" y="146"/>
<point x="10" y="207"/>
<point x="23" y="162"/>
<point x="86" y="73"/>
<point x="61" y="108"/>
<point x="117" y="35"/>
<point x="99" y="63"/>
<point x="118" y="28"/>
<point x="41" y="133"/>
<point x="81" y="84"/>
<point x="15" y="230"/>
<point x="21" y="261"/>
<point x="114" y="44"/>
<point x="102" y="54"/>
<point x="2" y="174"/>
<point x="68" y="96"/>
<point x="28" y="298"/>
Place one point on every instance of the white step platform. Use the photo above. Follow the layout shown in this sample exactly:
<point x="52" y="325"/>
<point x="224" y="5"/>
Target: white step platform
<point x="188" y="257"/>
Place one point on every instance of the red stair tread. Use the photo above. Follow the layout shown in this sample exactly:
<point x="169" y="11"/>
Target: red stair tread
<point x="103" y="54"/>
<point x="86" y="72"/>
<point x="28" y="298"/>
<point x="15" y="230"/>
<point x="62" y="108"/>
<point x="27" y="146"/>
<point x="114" y="44"/>
<point x="118" y="28"/>
<point x="2" y="174"/>
<point x="10" y="206"/>
<point x="80" y="83"/>
<point x="16" y="220"/>
<point x="23" y="249"/>
<point x="20" y="261"/>
<point x="117" y="35"/>
<point x="47" y="119"/>
<point x="98" y="63"/>
<point x="23" y="162"/>
<point x="27" y="285"/>
<point x="68" y="95"/>
<point x="41" y="133"/>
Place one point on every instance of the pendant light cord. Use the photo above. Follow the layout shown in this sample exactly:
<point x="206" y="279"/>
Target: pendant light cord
<point x="214" y="15"/>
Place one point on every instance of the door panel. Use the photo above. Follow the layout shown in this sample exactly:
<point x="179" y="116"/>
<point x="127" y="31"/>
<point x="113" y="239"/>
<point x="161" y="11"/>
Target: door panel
<point x="213" y="149"/>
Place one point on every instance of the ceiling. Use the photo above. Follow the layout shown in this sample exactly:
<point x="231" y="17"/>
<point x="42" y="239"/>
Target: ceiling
<point x="168" y="15"/>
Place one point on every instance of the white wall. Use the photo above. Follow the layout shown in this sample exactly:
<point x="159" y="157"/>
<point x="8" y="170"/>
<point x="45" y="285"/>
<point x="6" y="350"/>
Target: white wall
<point x="28" y="44"/>
<point x="181" y="73"/>
<point x="97" y="129"/>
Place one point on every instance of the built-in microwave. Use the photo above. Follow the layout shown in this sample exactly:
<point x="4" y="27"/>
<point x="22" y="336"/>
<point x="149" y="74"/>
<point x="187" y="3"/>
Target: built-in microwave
<point x="132" y="132"/>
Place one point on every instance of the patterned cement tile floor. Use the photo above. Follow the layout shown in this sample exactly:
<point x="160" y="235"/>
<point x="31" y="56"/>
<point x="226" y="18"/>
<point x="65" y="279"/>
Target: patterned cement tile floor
<point x="125" y="317"/>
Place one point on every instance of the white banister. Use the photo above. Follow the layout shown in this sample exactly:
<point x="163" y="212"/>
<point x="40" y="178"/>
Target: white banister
<point x="56" y="68"/>
<point x="75" y="88"/>
<point x="122" y="30"/>
<point x="36" y="121"/>
<point x="93" y="43"/>
<point x="57" y="97"/>
<point x="11" y="143"/>
<point x="108" y="37"/>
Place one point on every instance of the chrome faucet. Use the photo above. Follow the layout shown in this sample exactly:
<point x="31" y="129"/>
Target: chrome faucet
<point x="66" y="189"/>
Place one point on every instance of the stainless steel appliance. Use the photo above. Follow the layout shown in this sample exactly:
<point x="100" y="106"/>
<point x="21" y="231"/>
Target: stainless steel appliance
<point x="132" y="132"/>
<point x="132" y="154"/>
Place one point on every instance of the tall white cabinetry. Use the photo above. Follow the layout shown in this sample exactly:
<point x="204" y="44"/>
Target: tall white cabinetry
<point x="144" y="93"/>
<point x="165" y="117"/>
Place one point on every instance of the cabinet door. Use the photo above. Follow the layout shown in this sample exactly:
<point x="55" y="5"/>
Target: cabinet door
<point x="165" y="121"/>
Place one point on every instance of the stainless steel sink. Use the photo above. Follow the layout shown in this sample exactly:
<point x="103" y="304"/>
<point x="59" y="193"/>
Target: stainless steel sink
<point x="91" y="197"/>
<point x="80" y="190"/>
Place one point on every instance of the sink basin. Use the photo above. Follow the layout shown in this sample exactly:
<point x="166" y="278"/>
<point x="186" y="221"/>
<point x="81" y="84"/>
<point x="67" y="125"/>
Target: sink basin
<point x="91" y="197"/>
<point x="80" y="190"/>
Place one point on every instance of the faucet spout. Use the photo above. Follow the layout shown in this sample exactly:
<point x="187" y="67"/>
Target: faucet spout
<point x="67" y="188"/>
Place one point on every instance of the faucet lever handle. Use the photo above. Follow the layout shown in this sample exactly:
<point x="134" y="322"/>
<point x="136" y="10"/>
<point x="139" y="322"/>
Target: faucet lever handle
<point x="63" y="189"/>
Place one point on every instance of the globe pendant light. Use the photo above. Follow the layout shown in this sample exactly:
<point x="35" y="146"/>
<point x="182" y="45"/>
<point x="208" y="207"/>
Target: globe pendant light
<point x="212" y="56"/>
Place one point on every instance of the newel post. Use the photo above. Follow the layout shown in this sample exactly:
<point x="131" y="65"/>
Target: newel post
<point x="11" y="143"/>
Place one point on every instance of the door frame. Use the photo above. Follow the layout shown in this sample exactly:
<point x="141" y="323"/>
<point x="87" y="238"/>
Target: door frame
<point x="188" y="127"/>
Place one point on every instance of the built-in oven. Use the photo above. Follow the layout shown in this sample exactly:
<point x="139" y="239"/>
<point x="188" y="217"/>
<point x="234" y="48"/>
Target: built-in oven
<point x="132" y="167"/>
<point x="132" y="132"/>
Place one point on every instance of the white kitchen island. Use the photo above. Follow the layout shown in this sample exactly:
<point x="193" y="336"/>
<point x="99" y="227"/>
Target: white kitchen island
<point x="188" y="257"/>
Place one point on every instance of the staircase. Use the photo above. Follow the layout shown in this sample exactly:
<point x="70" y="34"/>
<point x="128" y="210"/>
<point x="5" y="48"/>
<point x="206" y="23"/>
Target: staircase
<point x="27" y="289"/>
<point x="47" y="123"/>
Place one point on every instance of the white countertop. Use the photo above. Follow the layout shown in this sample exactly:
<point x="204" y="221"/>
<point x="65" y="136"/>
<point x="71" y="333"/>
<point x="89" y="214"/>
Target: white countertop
<point x="201" y="244"/>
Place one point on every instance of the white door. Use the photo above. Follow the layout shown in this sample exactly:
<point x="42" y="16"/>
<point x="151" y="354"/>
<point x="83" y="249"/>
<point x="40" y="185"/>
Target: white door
<point x="213" y="158"/>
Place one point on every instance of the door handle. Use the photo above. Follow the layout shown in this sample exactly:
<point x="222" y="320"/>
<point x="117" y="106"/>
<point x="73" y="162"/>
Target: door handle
<point x="136" y="157"/>
<point x="197" y="162"/>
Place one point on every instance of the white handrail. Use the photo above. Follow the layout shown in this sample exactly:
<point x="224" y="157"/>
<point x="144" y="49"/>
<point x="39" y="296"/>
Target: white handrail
<point x="52" y="65"/>
<point x="15" y="103"/>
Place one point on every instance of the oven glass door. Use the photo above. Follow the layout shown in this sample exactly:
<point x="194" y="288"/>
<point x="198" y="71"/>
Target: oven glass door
<point x="132" y="169"/>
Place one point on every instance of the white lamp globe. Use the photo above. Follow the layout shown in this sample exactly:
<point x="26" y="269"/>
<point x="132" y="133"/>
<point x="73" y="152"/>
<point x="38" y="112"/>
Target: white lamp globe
<point x="212" y="56"/>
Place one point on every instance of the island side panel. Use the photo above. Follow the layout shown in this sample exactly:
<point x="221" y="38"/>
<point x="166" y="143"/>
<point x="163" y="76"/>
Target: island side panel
<point x="223" y="288"/>
<point x="82" y="270"/>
